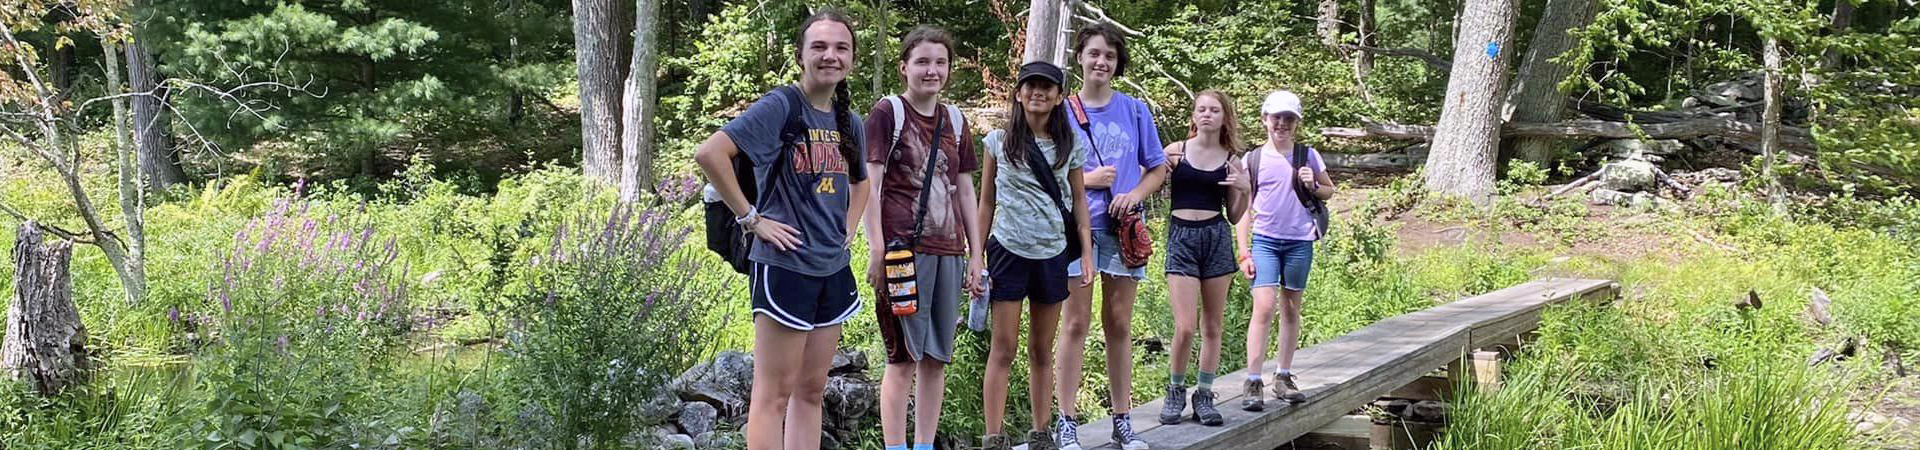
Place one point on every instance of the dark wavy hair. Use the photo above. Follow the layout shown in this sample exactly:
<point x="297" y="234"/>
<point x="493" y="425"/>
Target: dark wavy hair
<point x="1020" y="134"/>
<point x="1113" y="37"/>
<point x="842" y="96"/>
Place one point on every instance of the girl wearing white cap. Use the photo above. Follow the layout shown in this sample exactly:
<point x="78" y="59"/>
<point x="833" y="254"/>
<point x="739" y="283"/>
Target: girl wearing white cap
<point x="1276" y="240"/>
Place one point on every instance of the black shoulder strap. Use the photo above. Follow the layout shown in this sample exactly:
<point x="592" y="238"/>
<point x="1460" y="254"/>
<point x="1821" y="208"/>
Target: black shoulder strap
<point x="1253" y="168"/>
<point x="926" y="182"/>
<point x="1043" y="173"/>
<point x="1300" y="188"/>
<point x="793" y="132"/>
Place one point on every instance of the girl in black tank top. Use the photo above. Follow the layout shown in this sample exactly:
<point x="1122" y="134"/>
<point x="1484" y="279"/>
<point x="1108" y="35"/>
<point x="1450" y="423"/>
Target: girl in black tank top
<point x="1200" y="255"/>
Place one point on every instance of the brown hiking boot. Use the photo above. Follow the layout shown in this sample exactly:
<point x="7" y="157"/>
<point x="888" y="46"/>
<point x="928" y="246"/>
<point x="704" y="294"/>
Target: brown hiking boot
<point x="1284" y="389"/>
<point x="1040" y="440"/>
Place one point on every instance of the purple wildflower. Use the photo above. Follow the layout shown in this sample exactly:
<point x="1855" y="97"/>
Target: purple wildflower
<point x="173" y="314"/>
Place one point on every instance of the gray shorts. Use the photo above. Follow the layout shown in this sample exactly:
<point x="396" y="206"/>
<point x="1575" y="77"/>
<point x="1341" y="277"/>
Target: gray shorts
<point x="1200" y="248"/>
<point x="928" y="332"/>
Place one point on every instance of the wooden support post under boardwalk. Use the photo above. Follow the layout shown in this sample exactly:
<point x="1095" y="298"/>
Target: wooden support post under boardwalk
<point x="1342" y="374"/>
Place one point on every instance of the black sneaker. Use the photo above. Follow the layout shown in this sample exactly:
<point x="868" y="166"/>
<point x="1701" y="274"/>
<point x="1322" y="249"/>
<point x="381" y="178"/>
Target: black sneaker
<point x="1066" y="433"/>
<point x="1284" y="389"/>
<point x="1125" y="438"/>
<point x="996" y="442"/>
<point x="1252" y="402"/>
<point x="1040" y="440"/>
<point x="1174" y="404"/>
<point x="1203" y="410"/>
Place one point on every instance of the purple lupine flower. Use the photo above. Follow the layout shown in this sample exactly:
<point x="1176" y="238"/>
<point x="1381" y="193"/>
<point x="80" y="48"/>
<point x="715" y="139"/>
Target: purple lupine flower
<point x="173" y="314"/>
<point x="299" y="186"/>
<point x="281" y="343"/>
<point x="226" y="302"/>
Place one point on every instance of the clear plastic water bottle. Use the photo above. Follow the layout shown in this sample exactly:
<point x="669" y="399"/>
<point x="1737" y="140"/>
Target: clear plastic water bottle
<point x="977" y="309"/>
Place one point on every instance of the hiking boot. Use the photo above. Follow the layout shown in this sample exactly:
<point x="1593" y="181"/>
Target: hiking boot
<point x="1066" y="433"/>
<point x="1174" y="404"/>
<point x="1252" y="401"/>
<point x="1284" y="389"/>
<point x="1124" y="436"/>
<point x="996" y="442"/>
<point x="1203" y="410"/>
<point x="1040" y="440"/>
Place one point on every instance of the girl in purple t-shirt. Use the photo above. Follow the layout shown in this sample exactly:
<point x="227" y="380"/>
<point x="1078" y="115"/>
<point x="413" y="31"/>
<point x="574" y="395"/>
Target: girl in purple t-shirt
<point x="1276" y="243"/>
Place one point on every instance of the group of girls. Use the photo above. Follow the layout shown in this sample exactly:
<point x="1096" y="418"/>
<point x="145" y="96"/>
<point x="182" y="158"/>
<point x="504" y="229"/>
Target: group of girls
<point x="1054" y="181"/>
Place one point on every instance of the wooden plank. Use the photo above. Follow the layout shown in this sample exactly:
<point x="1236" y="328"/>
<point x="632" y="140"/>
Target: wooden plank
<point x="1349" y="426"/>
<point x="1424" y="388"/>
<point x="1391" y="355"/>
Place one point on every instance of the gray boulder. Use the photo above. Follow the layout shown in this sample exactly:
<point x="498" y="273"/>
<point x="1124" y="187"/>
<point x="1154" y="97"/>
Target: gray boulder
<point x="726" y="383"/>
<point x="848" y="362"/>
<point x="1629" y="176"/>
<point x="697" y="418"/>
<point x="850" y="402"/>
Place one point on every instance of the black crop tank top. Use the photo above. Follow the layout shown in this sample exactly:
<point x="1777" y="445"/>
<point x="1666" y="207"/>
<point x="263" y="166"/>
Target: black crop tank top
<point x="1198" y="189"/>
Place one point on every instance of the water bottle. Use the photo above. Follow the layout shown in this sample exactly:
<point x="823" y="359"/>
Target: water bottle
<point x="903" y="289"/>
<point x="977" y="309"/>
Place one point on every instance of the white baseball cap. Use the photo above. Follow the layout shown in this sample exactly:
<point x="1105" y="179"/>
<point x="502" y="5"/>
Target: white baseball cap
<point x="1282" y="102"/>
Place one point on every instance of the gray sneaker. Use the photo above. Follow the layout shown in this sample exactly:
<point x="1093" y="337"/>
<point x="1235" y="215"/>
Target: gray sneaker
<point x="1252" y="401"/>
<point x="1040" y="440"/>
<point x="1174" y="405"/>
<point x="1203" y="410"/>
<point x="996" y="442"/>
<point x="1284" y="389"/>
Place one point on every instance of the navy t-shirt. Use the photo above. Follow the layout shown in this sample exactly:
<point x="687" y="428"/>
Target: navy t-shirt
<point x="813" y="195"/>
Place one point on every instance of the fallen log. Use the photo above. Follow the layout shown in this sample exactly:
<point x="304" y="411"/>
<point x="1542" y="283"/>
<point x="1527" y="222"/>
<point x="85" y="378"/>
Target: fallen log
<point x="1797" y="140"/>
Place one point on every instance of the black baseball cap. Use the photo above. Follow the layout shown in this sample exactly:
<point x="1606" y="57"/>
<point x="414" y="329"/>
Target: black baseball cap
<point x="1043" y="70"/>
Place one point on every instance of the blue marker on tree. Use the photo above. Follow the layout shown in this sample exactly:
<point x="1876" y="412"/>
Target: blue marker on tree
<point x="1493" y="49"/>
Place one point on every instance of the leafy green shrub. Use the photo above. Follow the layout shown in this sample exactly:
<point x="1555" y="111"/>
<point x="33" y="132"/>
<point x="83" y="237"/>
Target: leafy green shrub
<point x="301" y="299"/>
<point x="613" y="314"/>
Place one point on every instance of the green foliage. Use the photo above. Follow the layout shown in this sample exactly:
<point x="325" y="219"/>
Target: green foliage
<point x="378" y="75"/>
<point x="610" y="319"/>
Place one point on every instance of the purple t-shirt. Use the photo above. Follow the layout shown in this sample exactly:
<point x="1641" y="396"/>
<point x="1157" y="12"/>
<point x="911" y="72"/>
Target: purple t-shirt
<point x="1277" y="212"/>
<point x="1123" y="136"/>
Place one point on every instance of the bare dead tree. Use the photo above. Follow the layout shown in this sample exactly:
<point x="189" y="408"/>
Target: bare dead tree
<point x="37" y="119"/>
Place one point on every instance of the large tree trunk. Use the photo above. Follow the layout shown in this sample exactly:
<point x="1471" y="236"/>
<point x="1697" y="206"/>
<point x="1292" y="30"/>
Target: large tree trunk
<point x="1363" y="61"/>
<point x="1043" y="32"/>
<point x="152" y="126"/>
<point x="597" y="60"/>
<point x="1327" y="25"/>
<point x="1535" y="96"/>
<point x="1770" y="123"/>
<point x="636" y="162"/>
<point x="45" y="345"/>
<point x="1464" y="149"/>
<point x="1842" y="20"/>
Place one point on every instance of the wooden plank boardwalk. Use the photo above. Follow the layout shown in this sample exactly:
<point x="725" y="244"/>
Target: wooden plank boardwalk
<point x="1349" y="371"/>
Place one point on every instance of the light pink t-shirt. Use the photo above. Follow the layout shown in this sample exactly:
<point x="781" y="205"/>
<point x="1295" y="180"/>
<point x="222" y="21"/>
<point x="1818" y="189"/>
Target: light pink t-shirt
<point x="1277" y="212"/>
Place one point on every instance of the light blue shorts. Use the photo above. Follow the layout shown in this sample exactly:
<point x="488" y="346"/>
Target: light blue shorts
<point x="1281" y="262"/>
<point x="1106" y="256"/>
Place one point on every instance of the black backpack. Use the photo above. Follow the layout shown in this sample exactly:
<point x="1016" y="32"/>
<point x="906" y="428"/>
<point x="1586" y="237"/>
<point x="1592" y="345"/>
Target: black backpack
<point x="724" y="235"/>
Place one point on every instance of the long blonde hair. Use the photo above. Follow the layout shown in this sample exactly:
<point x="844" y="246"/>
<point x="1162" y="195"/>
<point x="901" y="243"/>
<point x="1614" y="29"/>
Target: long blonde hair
<point x="1229" y="121"/>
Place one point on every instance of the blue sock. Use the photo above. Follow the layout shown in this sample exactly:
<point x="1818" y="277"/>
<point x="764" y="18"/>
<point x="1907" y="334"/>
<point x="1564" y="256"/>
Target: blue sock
<point x="1206" y="382"/>
<point x="1253" y="377"/>
<point x="897" y="447"/>
<point x="926" y="446"/>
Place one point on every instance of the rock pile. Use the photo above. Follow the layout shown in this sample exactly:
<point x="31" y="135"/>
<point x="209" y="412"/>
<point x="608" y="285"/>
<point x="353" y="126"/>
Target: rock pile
<point x="705" y="407"/>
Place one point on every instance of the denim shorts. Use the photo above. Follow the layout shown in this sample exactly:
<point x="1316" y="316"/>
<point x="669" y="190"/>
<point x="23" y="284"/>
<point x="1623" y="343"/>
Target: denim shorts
<point x="1281" y="262"/>
<point x="1106" y="256"/>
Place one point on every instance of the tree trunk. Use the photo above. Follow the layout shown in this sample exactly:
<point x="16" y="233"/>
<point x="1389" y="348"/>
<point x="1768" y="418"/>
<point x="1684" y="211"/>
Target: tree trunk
<point x="45" y="345"/>
<point x="636" y="162"/>
<point x="1842" y="20"/>
<point x="880" y="67"/>
<point x="1363" y="61"/>
<point x="1535" y="96"/>
<point x="1468" y="138"/>
<point x="516" y="100"/>
<point x="133" y="203"/>
<point x="596" y="58"/>
<point x="1043" y="32"/>
<point x="152" y="126"/>
<point x="1328" y="25"/>
<point x="1770" y="124"/>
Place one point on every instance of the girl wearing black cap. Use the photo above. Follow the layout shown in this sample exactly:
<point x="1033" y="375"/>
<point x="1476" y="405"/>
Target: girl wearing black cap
<point x="804" y="145"/>
<point x="1032" y="172"/>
